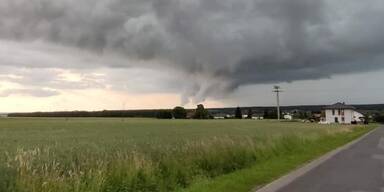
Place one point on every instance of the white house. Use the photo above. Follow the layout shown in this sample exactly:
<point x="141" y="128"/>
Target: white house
<point x="257" y="117"/>
<point x="221" y="116"/>
<point x="288" y="117"/>
<point x="342" y="113"/>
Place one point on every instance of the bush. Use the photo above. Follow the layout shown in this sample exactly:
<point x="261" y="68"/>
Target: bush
<point x="250" y="113"/>
<point x="238" y="113"/>
<point x="379" y="118"/>
<point x="179" y="113"/>
<point x="164" y="114"/>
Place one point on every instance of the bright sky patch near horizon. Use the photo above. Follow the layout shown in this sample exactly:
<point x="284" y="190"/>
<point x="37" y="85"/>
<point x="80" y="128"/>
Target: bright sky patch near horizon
<point x="131" y="54"/>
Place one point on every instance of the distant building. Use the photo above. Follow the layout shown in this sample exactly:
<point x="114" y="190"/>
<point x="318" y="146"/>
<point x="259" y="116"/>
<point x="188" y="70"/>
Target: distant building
<point x="257" y="117"/>
<point x="221" y="116"/>
<point x="288" y="116"/>
<point x="342" y="113"/>
<point x="3" y="115"/>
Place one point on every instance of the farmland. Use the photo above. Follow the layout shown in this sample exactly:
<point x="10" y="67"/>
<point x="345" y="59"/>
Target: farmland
<point x="106" y="154"/>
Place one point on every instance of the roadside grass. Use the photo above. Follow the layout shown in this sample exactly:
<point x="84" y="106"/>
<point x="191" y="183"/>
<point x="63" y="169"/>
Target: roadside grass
<point x="117" y="155"/>
<point x="269" y="170"/>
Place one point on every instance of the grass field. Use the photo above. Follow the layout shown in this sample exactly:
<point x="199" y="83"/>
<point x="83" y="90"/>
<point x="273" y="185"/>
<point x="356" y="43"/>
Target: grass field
<point x="116" y="155"/>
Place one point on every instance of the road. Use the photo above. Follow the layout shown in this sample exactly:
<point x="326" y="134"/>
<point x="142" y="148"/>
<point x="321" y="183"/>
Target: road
<point x="360" y="168"/>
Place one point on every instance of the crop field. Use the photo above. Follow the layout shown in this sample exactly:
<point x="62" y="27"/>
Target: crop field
<point x="118" y="155"/>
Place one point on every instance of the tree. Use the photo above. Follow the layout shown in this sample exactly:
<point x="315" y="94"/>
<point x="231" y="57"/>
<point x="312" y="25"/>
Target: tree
<point x="201" y="112"/>
<point x="238" y="114"/>
<point x="270" y="114"/>
<point x="250" y="113"/>
<point x="379" y="118"/>
<point x="164" y="114"/>
<point x="266" y="114"/>
<point x="179" y="113"/>
<point x="303" y="115"/>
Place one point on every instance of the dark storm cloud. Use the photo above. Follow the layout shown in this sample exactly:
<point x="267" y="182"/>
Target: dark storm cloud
<point x="219" y="44"/>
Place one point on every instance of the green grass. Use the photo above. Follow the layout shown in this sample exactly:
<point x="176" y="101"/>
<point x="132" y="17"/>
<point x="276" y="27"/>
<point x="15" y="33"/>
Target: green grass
<point x="267" y="171"/>
<point x="41" y="155"/>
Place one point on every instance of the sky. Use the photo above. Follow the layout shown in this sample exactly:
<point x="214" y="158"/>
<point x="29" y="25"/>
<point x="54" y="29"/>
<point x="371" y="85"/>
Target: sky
<point x="143" y="54"/>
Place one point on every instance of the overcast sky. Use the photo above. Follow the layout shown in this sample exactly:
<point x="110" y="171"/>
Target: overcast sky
<point x="128" y="54"/>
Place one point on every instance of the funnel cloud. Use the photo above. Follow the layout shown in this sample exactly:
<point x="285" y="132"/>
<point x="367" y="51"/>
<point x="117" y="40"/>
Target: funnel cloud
<point x="212" y="47"/>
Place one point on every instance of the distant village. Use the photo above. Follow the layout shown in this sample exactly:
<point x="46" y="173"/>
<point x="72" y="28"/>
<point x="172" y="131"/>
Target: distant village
<point x="336" y="113"/>
<point x="340" y="113"/>
<point x="325" y="114"/>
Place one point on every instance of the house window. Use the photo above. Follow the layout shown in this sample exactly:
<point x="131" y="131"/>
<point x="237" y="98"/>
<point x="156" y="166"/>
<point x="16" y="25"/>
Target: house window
<point x="342" y="112"/>
<point x="343" y="119"/>
<point x="333" y="112"/>
<point x="339" y="112"/>
<point x="336" y="120"/>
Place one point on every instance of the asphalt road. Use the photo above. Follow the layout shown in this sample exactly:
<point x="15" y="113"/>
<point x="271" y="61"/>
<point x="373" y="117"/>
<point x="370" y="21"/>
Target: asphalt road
<point x="359" y="168"/>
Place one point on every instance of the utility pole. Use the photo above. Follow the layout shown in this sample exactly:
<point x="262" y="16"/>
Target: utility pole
<point x="277" y="90"/>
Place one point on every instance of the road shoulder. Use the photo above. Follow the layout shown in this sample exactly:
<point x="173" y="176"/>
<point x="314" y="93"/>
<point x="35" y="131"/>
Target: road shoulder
<point x="290" y="177"/>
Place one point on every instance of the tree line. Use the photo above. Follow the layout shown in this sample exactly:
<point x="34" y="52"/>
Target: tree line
<point x="181" y="113"/>
<point x="379" y="117"/>
<point x="176" y="113"/>
<point x="105" y="113"/>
